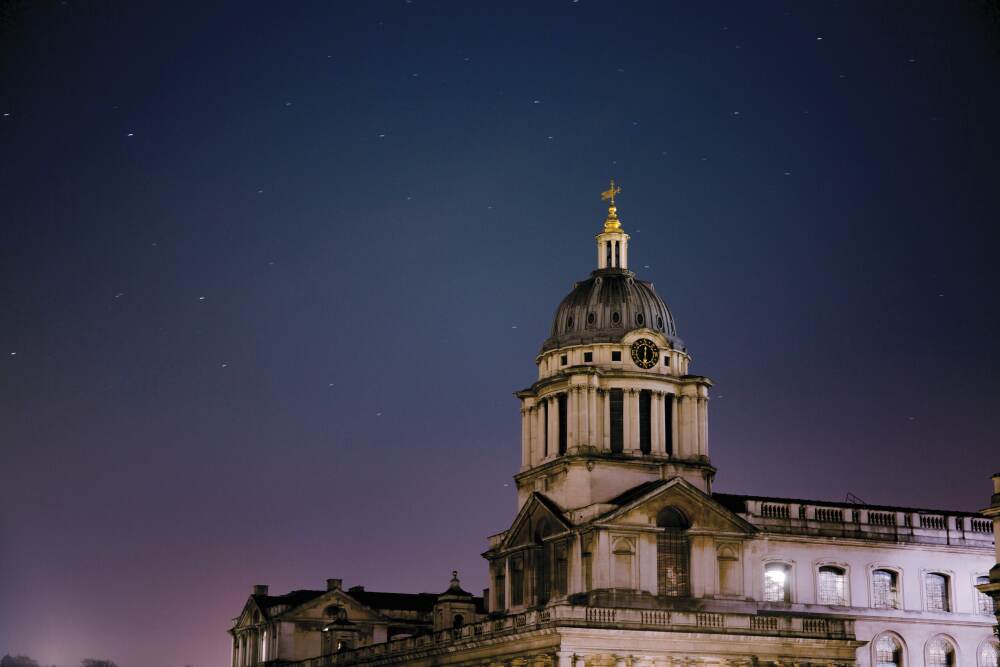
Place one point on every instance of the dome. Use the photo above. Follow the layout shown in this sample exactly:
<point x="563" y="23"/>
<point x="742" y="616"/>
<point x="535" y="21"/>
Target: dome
<point x="605" y="307"/>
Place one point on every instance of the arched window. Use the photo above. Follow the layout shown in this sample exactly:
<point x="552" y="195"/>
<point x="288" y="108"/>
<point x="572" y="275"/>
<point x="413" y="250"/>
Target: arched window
<point x="988" y="654"/>
<point x="831" y="585"/>
<point x="673" y="553"/>
<point x="936" y="591"/>
<point x="940" y="653"/>
<point x="885" y="589"/>
<point x="458" y="621"/>
<point x="624" y="558"/>
<point x="984" y="603"/>
<point x="777" y="582"/>
<point x="888" y="652"/>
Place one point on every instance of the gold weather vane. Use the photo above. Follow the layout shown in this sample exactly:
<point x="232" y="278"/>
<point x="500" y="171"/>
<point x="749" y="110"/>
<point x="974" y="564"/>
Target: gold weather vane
<point x="611" y="223"/>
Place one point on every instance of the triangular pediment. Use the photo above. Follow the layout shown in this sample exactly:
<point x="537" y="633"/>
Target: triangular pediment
<point x="318" y="607"/>
<point x="701" y="510"/>
<point x="539" y="517"/>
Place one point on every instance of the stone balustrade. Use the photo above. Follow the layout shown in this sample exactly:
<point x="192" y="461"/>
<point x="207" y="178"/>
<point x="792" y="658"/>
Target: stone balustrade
<point x="785" y="625"/>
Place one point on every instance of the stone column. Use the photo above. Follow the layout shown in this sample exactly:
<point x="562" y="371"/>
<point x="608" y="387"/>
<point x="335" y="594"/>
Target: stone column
<point x="553" y="427"/>
<point x="540" y="426"/>
<point x="674" y="425"/>
<point x="525" y="438"/>
<point x="592" y="416"/>
<point x="571" y="419"/>
<point x="606" y="427"/>
<point x="632" y="419"/>
<point x="703" y="426"/>
<point x="565" y="659"/>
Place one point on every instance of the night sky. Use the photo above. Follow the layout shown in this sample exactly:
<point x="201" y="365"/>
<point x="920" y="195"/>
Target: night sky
<point x="270" y="273"/>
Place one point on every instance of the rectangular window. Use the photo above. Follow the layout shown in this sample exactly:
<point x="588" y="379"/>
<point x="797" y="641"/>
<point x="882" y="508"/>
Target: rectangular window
<point x="586" y="563"/>
<point x="543" y="577"/>
<point x="936" y="590"/>
<point x="499" y="583"/>
<point x="832" y="586"/>
<point x="588" y="357"/>
<point x="562" y="424"/>
<point x="561" y="578"/>
<point x="668" y="423"/>
<point x="516" y="580"/>
<point x="884" y="590"/>
<point x="984" y="603"/>
<point x="645" y="425"/>
<point x="564" y="359"/>
<point x="616" y="355"/>
<point x="666" y="360"/>
<point x="617" y="399"/>
<point x="777" y="587"/>
<point x="672" y="567"/>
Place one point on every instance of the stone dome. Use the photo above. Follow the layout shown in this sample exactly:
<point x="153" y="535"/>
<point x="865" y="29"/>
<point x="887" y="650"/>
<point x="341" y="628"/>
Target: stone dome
<point x="605" y="307"/>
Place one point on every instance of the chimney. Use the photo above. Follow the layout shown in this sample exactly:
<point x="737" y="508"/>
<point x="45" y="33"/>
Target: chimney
<point x="260" y="589"/>
<point x="334" y="584"/>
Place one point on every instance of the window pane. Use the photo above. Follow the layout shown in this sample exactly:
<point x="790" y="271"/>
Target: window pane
<point x="884" y="595"/>
<point x="672" y="568"/>
<point x="832" y="586"/>
<point x="940" y="654"/>
<point x="776" y="584"/>
<point x="984" y="604"/>
<point x="988" y="656"/>
<point x="936" y="587"/>
<point x="887" y="652"/>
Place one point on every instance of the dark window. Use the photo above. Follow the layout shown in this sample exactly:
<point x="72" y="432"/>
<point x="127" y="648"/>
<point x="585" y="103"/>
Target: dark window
<point x="618" y="254"/>
<point x="659" y="323"/>
<point x="591" y="318"/>
<point x="607" y="260"/>
<point x="498" y="586"/>
<point x="563" y="360"/>
<point x="616" y="318"/>
<point x="543" y="578"/>
<point x="545" y="448"/>
<point x="617" y="397"/>
<point x="562" y="424"/>
<point x="569" y="323"/>
<point x="516" y="581"/>
<point x="588" y="357"/>
<point x="666" y="360"/>
<point x="668" y="423"/>
<point x="560" y="580"/>
<point x="458" y="621"/>
<point x="673" y="570"/>
<point x="645" y="425"/>
<point x="640" y="319"/>
<point x="616" y="356"/>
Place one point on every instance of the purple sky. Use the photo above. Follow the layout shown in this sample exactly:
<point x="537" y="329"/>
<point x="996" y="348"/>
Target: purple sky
<point x="270" y="274"/>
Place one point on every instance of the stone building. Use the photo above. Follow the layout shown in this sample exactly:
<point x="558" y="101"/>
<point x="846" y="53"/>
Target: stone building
<point x="622" y="554"/>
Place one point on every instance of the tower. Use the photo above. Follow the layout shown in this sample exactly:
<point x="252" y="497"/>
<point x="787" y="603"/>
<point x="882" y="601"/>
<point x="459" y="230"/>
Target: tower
<point x="613" y="405"/>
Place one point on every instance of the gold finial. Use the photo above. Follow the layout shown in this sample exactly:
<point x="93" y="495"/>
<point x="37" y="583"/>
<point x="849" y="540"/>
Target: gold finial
<point x="612" y="224"/>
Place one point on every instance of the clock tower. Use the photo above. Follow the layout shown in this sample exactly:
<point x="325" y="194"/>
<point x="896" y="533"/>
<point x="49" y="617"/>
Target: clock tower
<point x="614" y="405"/>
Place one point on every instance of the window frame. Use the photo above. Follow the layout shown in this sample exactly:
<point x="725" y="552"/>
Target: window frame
<point x="898" y="572"/>
<point x="988" y="641"/>
<point x="791" y="595"/>
<point x="956" y="658"/>
<point x="904" y="657"/>
<point x="977" y="594"/>
<point x="846" y="573"/>
<point x="949" y="591"/>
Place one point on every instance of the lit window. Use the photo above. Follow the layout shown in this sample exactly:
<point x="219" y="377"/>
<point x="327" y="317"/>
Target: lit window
<point x="984" y="604"/>
<point x="885" y="592"/>
<point x="776" y="583"/>
<point x="888" y="652"/>
<point x="832" y="585"/>
<point x="988" y="656"/>
<point x="936" y="590"/>
<point x="940" y="653"/>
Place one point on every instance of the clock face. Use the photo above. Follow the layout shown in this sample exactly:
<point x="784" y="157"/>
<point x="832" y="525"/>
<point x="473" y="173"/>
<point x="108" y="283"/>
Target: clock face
<point x="645" y="354"/>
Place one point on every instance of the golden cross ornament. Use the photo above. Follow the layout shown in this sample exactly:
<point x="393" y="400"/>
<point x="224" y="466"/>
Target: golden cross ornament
<point x="610" y="194"/>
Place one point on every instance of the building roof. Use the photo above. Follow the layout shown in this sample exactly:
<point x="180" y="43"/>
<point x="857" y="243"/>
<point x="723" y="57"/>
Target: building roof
<point x="607" y="306"/>
<point x="737" y="503"/>
<point x="291" y="599"/>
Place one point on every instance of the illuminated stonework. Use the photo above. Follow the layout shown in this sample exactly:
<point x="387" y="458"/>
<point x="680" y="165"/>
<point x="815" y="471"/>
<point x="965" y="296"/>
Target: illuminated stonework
<point x="622" y="554"/>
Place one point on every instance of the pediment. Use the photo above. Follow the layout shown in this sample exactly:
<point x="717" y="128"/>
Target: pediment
<point x="316" y="608"/>
<point x="701" y="510"/>
<point x="247" y="615"/>
<point x="538" y="518"/>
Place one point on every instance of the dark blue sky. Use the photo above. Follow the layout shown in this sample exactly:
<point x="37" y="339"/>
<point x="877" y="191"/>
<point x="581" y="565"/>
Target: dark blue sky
<point x="269" y="274"/>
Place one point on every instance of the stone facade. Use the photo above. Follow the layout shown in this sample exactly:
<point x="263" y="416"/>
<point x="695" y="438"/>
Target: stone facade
<point x="621" y="554"/>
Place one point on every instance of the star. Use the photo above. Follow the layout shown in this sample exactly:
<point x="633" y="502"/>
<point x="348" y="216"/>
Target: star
<point x="537" y="102"/>
<point x="130" y="134"/>
<point x="819" y="39"/>
<point x="513" y="326"/>
<point x="381" y="136"/>
<point x="6" y="114"/>
<point x="788" y="173"/>
<point x="378" y="414"/>
<point x="201" y="298"/>
<point x="13" y="354"/>
<point x="260" y="192"/>
<point x="288" y="104"/>
<point x="119" y="295"/>
<point x="224" y="364"/>
<point x="736" y="113"/>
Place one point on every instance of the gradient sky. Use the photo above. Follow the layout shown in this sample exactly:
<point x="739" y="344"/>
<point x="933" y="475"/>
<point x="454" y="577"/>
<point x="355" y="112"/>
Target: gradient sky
<point x="270" y="272"/>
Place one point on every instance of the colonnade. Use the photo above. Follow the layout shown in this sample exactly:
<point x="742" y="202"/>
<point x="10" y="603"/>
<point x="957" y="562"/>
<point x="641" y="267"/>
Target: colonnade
<point x="253" y="646"/>
<point x="571" y="659"/>
<point x="680" y="431"/>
